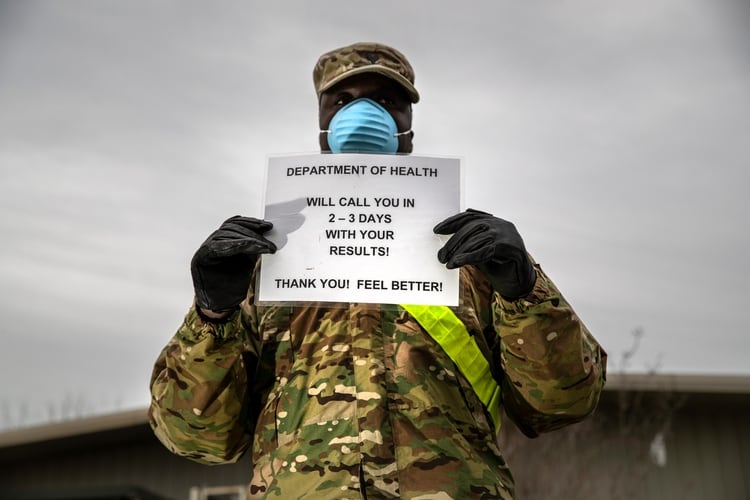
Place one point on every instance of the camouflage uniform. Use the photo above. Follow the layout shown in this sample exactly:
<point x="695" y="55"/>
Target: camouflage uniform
<point x="357" y="400"/>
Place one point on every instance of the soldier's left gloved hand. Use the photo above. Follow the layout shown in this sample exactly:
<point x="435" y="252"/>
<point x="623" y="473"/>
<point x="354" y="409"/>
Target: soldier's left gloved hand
<point x="491" y="244"/>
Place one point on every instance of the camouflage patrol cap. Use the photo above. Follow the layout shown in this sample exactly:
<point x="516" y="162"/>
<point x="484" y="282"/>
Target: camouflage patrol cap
<point x="363" y="57"/>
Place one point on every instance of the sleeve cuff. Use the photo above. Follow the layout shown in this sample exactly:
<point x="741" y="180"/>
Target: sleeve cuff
<point x="543" y="291"/>
<point x="197" y="327"/>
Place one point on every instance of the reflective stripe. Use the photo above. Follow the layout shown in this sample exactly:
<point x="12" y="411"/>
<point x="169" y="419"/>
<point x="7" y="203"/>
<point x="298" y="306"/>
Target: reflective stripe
<point x="450" y="332"/>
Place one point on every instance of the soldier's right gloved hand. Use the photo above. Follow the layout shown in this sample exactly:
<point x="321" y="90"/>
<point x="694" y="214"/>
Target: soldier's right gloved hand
<point x="222" y="266"/>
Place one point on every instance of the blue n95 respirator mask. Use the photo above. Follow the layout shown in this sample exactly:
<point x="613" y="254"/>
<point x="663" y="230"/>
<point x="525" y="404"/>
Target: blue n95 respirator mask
<point x="363" y="126"/>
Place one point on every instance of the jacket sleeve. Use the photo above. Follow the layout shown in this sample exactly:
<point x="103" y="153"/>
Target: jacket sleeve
<point x="554" y="368"/>
<point x="198" y="390"/>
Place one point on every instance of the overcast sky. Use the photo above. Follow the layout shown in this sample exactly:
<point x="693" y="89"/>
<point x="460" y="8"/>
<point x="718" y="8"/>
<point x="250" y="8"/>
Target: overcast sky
<point x="615" y="137"/>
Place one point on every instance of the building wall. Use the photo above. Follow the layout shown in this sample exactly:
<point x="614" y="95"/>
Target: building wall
<point x="640" y="445"/>
<point x="131" y="457"/>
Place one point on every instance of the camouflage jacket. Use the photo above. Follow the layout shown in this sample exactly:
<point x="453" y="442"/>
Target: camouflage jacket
<point x="357" y="400"/>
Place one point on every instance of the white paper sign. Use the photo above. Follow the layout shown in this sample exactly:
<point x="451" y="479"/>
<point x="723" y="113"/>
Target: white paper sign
<point x="358" y="228"/>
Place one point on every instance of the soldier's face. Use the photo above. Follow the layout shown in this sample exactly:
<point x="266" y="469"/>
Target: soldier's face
<point x="373" y="86"/>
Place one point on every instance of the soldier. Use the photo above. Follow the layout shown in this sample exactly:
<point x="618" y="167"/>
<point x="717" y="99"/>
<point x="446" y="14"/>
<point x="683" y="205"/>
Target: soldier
<point x="366" y="400"/>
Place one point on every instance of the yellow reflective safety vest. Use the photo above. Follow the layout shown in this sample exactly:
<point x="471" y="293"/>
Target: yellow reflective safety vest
<point x="447" y="330"/>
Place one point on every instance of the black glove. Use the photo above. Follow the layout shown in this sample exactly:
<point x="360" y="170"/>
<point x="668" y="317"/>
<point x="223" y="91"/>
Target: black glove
<point x="223" y="264"/>
<point x="491" y="244"/>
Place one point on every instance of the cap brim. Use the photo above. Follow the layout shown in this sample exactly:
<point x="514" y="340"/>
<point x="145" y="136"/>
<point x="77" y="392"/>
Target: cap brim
<point x="375" y="68"/>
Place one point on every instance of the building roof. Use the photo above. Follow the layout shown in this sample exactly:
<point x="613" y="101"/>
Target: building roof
<point x="694" y="383"/>
<point x="132" y="422"/>
<point x="67" y="434"/>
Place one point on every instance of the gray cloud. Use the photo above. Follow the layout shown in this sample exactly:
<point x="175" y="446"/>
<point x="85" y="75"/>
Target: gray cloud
<point x="615" y="138"/>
